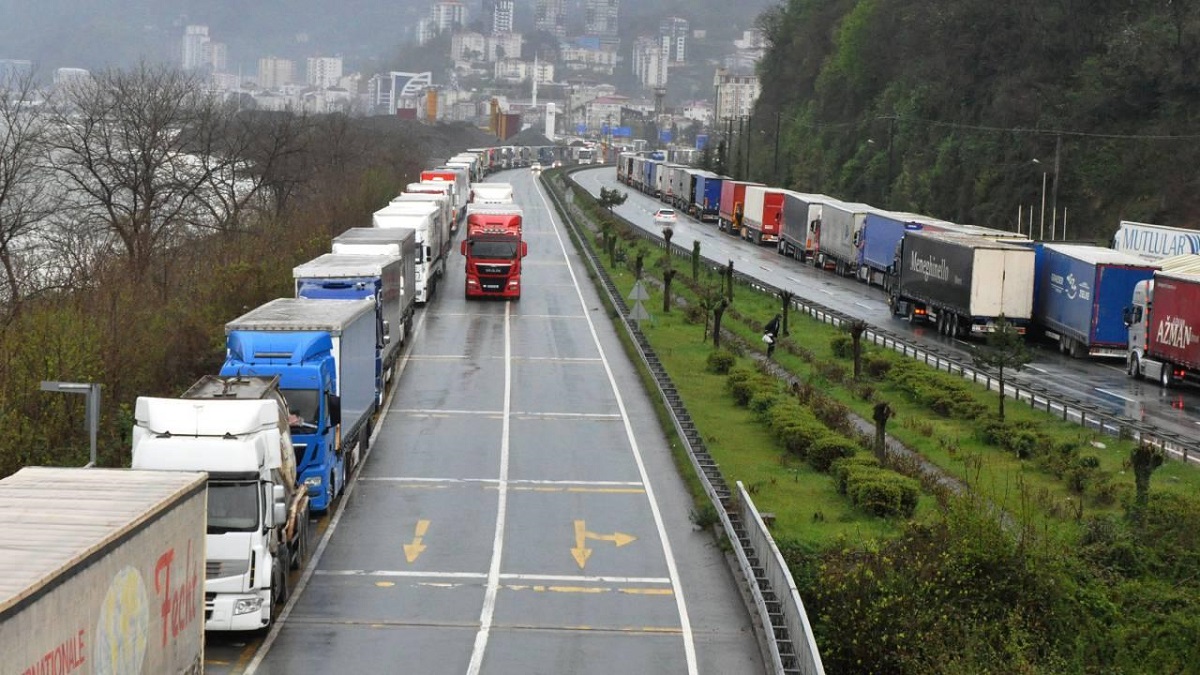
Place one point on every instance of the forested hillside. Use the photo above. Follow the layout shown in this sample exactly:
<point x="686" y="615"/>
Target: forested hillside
<point x="941" y="106"/>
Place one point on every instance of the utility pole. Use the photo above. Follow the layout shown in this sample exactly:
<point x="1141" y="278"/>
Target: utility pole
<point x="775" y="170"/>
<point x="748" y="120"/>
<point x="1054" y="186"/>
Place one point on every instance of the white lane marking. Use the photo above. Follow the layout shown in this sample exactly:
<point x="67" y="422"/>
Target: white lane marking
<point x="311" y="568"/>
<point x="417" y="574"/>
<point x="489" y="481"/>
<point x="487" y="614"/>
<point x="864" y="305"/>
<point x="689" y="645"/>
<point x="793" y="279"/>
<point x="1116" y="395"/>
<point x="1040" y="370"/>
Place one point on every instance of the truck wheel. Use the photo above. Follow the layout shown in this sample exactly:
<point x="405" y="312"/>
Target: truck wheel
<point x="301" y="548"/>
<point x="280" y="596"/>
<point x="1135" y="369"/>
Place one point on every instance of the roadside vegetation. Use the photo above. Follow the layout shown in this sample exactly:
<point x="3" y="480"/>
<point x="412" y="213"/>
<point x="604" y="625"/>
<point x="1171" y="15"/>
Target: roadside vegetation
<point x="1014" y="545"/>
<point x="138" y="216"/>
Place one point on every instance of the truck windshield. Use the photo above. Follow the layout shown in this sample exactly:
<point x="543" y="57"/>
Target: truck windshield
<point x="232" y="507"/>
<point x="483" y="248"/>
<point x="303" y="409"/>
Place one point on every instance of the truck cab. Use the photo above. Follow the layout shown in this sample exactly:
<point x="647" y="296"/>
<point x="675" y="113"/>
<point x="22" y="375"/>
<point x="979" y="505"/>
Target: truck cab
<point x="494" y="249"/>
<point x="236" y="430"/>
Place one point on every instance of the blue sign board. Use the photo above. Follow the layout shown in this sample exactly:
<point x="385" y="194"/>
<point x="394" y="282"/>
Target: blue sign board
<point x="664" y="136"/>
<point x="701" y="141"/>
<point x="622" y="132"/>
<point x="581" y="128"/>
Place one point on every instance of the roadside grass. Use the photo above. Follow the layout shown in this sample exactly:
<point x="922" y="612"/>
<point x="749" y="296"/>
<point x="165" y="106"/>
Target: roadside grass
<point x="1025" y="490"/>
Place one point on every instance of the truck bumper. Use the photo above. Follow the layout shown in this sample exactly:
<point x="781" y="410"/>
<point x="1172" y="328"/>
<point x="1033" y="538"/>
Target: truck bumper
<point x="219" y="611"/>
<point x="489" y="288"/>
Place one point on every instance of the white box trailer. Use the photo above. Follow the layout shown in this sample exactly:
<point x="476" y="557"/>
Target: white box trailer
<point x="102" y="571"/>
<point x="433" y="240"/>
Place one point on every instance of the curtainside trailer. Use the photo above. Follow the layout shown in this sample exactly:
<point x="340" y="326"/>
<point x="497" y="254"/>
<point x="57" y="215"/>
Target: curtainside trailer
<point x="1079" y="294"/>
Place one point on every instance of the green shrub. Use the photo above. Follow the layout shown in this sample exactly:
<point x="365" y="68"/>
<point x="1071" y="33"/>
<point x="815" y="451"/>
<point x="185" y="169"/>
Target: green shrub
<point x="693" y="313"/>
<point x="843" y="468"/>
<point x="828" y="449"/>
<point x="720" y="361"/>
<point x="762" y="401"/>
<point x="832" y="412"/>
<point x="876" y="366"/>
<point x="842" y="346"/>
<point x="884" y="494"/>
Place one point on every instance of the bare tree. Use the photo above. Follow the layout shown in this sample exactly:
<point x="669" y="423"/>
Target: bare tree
<point x="134" y="150"/>
<point x="25" y="198"/>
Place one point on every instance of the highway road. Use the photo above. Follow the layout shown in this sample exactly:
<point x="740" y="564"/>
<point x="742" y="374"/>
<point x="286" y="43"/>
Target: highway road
<point x="1100" y="382"/>
<point x="519" y="510"/>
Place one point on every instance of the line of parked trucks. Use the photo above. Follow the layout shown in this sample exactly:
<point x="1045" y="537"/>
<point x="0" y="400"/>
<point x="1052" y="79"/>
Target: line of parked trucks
<point x="202" y="532"/>
<point x="1136" y="300"/>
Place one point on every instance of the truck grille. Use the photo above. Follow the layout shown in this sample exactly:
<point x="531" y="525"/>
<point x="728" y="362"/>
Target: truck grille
<point x="492" y="284"/>
<point x="492" y="269"/>
<point x="215" y="569"/>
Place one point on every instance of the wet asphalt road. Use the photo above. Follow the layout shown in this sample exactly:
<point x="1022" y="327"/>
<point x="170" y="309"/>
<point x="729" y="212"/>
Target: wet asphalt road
<point x="1100" y="382"/>
<point x="518" y="512"/>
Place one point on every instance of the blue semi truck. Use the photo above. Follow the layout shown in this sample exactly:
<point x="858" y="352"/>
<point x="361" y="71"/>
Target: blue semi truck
<point x="706" y="198"/>
<point x="1080" y="293"/>
<point x="388" y="280"/>
<point x="325" y="353"/>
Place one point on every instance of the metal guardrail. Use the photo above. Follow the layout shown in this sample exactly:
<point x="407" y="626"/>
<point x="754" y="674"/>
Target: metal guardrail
<point x="776" y="600"/>
<point x="1070" y="409"/>
<point x="780" y="576"/>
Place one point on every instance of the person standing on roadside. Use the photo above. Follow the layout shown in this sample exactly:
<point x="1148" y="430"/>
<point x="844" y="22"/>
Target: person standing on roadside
<point x="771" y="334"/>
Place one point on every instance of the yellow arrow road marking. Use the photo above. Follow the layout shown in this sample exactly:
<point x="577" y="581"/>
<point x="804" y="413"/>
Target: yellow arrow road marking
<point x="416" y="548"/>
<point x="581" y="553"/>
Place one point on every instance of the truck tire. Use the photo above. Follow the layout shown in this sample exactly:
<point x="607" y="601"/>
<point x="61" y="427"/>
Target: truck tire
<point x="280" y="594"/>
<point x="1134" y="368"/>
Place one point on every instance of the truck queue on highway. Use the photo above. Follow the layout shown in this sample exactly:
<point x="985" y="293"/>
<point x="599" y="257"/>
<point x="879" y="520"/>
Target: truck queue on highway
<point x="1137" y="301"/>
<point x="202" y="532"/>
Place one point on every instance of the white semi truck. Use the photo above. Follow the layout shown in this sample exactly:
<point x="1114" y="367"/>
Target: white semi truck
<point x="238" y="430"/>
<point x="102" y="571"/>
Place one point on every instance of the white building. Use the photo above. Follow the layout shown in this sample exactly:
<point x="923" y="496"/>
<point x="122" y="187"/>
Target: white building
<point x="600" y="17"/>
<point x="67" y="76"/>
<point x="516" y="70"/>
<point x="604" y="110"/>
<point x="194" y="40"/>
<point x="550" y="16"/>
<point x="469" y="47"/>
<point x="217" y="54"/>
<point x="650" y="56"/>
<point x="275" y="73"/>
<point x="504" y="46"/>
<point x="736" y="94"/>
<point x="675" y="30"/>
<point x="698" y="111"/>
<point x="580" y="59"/>
<point x="324" y="71"/>
<point x="502" y="16"/>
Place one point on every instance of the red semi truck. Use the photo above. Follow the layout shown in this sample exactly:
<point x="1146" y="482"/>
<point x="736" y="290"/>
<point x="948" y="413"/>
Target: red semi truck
<point x="733" y="205"/>
<point x="494" y="249"/>
<point x="762" y="214"/>
<point x="1164" y="328"/>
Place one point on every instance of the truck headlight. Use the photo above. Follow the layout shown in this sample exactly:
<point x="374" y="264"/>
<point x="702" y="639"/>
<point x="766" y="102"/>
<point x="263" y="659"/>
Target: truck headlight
<point x="247" y="606"/>
<point x="313" y="483"/>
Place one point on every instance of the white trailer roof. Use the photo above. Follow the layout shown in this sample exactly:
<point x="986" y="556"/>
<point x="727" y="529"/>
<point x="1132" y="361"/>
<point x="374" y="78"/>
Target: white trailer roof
<point x="332" y="265"/>
<point x="972" y="240"/>
<point x="376" y="235"/>
<point x="302" y="314"/>
<point x="55" y="519"/>
<point x="1098" y="255"/>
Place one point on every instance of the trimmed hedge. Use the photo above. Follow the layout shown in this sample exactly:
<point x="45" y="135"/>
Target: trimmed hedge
<point x="874" y="489"/>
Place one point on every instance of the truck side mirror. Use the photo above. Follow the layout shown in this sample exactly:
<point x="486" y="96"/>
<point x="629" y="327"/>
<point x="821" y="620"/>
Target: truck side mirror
<point x="387" y="332"/>
<point x="335" y="409"/>
<point x="462" y="247"/>
<point x="524" y="249"/>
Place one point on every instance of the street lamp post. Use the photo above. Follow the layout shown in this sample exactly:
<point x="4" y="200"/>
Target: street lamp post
<point x="92" y="416"/>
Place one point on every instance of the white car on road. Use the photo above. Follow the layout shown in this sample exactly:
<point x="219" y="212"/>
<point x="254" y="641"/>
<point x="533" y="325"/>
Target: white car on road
<point x="664" y="217"/>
